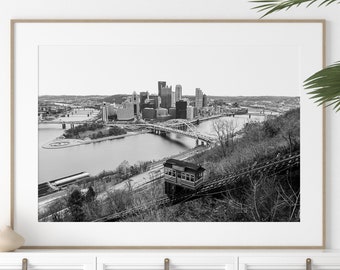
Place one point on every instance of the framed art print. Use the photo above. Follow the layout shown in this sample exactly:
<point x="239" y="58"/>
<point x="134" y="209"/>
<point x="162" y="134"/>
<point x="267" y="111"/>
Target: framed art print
<point x="167" y="134"/>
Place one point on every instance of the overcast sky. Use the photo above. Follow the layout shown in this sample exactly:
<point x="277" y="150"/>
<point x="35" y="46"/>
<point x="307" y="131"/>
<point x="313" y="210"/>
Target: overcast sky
<point x="217" y="70"/>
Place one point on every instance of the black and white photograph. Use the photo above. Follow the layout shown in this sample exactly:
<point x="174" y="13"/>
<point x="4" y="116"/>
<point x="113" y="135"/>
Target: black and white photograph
<point x="158" y="133"/>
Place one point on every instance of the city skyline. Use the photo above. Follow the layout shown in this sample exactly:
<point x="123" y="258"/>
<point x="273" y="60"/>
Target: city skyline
<point x="108" y="70"/>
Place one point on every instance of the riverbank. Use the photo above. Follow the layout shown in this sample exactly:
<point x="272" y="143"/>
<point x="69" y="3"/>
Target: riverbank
<point x="65" y="143"/>
<point x="133" y="184"/>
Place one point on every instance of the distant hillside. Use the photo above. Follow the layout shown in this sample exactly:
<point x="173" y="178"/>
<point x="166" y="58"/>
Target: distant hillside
<point x="253" y="98"/>
<point x="71" y="96"/>
<point x="115" y="98"/>
<point x="119" y="98"/>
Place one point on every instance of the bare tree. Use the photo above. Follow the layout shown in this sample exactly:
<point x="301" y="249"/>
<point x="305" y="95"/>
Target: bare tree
<point x="225" y="131"/>
<point x="291" y="134"/>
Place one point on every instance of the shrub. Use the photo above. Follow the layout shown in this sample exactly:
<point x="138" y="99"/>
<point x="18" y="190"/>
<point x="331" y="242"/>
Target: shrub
<point x="75" y="205"/>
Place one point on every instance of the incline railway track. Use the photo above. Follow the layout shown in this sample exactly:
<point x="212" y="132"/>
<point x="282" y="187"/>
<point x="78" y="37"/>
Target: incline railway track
<point x="277" y="165"/>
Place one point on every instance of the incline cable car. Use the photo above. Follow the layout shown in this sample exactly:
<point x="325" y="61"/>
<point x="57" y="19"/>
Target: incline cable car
<point x="182" y="177"/>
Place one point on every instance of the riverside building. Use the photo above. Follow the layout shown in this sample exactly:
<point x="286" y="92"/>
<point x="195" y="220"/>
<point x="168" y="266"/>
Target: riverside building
<point x="126" y="112"/>
<point x="190" y="112"/>
<point x="199" y="98"/>
<point x="105" y="113"/>
<point x="181" y="109"/>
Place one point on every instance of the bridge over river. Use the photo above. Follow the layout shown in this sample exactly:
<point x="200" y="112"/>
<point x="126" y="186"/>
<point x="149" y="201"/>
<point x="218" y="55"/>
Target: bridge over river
<point x="181" y="127"/>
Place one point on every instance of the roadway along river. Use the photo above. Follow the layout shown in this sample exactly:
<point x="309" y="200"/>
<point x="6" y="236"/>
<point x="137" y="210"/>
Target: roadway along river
<point x="107" y="155"/>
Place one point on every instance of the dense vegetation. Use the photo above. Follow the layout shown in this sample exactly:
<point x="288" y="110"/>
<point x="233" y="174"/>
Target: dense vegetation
<point x="93" y="131"/>
<point x="74" y="132"/>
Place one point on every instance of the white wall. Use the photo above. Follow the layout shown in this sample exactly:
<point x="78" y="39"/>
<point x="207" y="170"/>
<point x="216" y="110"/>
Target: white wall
<point x="163" y="9"/>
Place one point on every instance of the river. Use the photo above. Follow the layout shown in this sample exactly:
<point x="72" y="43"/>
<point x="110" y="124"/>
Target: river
<point x="107" y="155"/>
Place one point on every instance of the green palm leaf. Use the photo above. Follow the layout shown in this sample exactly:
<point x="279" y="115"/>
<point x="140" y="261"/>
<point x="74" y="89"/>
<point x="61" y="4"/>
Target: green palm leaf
<point x="325" y="86"/>
<point x="271" y="6"/>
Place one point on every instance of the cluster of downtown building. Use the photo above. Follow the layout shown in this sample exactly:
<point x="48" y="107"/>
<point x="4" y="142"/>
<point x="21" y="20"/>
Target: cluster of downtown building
<point x="165" y="105"/>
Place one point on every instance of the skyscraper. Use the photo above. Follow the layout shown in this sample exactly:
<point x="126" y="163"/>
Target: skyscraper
<point x="134" y="99"/>
<point x="178" y="92"/>
<point x="166" y="93"/>
<point x="173" y="99"/>
<point x="199" y="98"/>
<point x="205" y="100"/>
<point x="190" y="112"/>
<point x="144" y="96"/>
<point x="154" y="101"/>
<point x="105" y="113"/>
<point x="161" y="84"/>
<point x="181" y="109"/>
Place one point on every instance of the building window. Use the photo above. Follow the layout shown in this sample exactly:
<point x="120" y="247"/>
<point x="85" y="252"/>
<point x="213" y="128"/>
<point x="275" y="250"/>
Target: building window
<point x="167" y="171"/>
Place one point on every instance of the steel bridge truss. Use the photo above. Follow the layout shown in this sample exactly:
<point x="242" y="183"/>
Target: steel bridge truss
<point x="183" y="127"/>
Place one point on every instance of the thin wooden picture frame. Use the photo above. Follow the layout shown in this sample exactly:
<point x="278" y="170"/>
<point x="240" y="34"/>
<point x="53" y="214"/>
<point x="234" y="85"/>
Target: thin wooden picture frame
<point x="15" y="22"/>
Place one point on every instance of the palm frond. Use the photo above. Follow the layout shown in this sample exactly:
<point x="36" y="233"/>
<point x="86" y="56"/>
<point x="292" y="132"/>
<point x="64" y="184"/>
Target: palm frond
<point x="325" y="86"/>
<point x="271" y="6"/>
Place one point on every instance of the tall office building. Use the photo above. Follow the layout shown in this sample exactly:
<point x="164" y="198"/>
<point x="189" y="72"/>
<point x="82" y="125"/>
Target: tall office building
<point x="144" y="96"/>
<point x="199" y="98"/>
<point x="205" y="100"/>
<point x="154" y="101"/>
<point x="190" y="112"/>
<point x="166" y="94"/>
<point x="134" y="99"/>
<point x="178" y="92"/>
<point x="181" y="109"/>
<point x="105" y="113"/>
<point x="161" y="85"/>
<point x="173" y="99"/>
